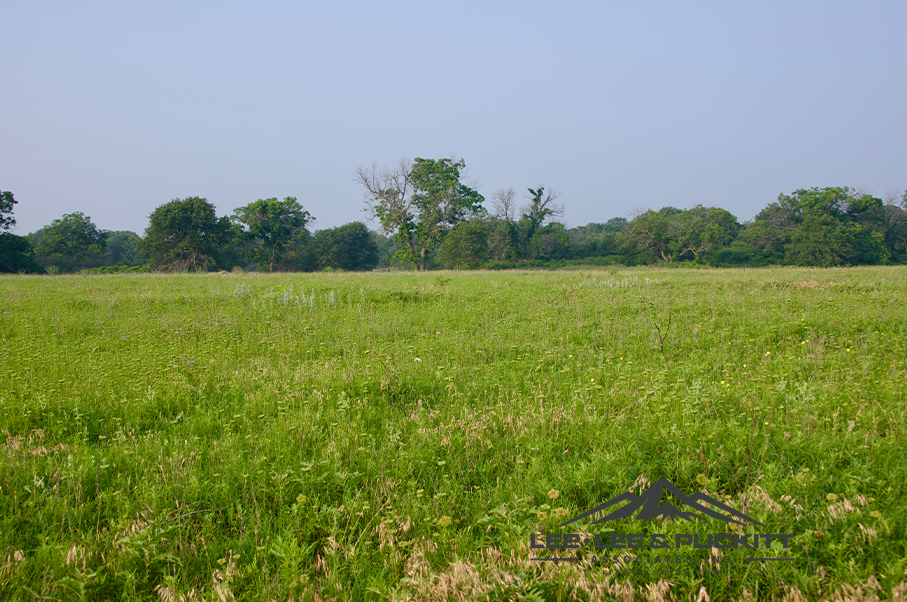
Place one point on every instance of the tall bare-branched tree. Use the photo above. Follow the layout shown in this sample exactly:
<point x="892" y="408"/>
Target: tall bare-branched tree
<point x="504" y="203"/>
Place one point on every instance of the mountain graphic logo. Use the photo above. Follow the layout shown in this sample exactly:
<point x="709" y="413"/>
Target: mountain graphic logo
<point x="650" y="502"/>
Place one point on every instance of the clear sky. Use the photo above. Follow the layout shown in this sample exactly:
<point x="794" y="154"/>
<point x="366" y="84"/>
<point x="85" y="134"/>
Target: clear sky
<point x="114" y="108"/>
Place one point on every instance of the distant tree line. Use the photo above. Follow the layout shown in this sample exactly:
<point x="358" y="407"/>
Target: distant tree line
<point x="431" y="219"/>
<point x="186" y="235"/>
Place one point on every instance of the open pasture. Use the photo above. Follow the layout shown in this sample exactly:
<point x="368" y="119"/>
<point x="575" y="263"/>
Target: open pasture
<point x="400" y="435"/>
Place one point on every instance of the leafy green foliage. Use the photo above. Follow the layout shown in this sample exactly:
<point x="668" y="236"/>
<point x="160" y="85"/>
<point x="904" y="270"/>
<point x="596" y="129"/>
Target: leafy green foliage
<point x="272" y="226"/>
<point x="823" y="227"/>
<point x="502" y="239"/>
<point x="123" y="249"/>
<point x="350" y="247"/>
<point x="15" y="251"/>
<point x="299" y="255"/>
<point x="70" y="243"/>
<point x="598" y="240"/>
<point x="423" y="202"/>
<point x="466" y="246"/>
<point x="674" y="235"/>
<point x="895" y="228"/>
<point x="73" y="235"/>
<point x="186" y="235"/>
<point x="420" y="203"/>
<point x="534" y="241"/>
<point x="7" y="201"/>
<point x="550" y="243"/>
<point x="15" y="254"/>
<point x="540" y="209"/>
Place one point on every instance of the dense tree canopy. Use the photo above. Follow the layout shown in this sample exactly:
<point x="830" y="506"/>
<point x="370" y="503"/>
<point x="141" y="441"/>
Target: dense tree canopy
<point x="186" y="234"/>
<point x="350" y="247"/>
<point x="466" y="246"/>
<point x="436" y="220"/>
<point x="70" y="243"/>
<point x="675" y="235"/>
<point x="419" y="202"/>
<point x="123" y="248"/>
<point x="271" y="227"/>
<point x="72" y="235"/>
<point x="822" y="227"/>
<point x="15" y="254"/>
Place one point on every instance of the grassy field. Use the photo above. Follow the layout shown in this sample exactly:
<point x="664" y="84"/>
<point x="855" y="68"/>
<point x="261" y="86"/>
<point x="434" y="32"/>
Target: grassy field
<point x="400" y="436"/>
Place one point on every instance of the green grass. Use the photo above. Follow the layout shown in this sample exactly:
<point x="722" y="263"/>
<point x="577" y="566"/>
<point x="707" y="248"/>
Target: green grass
<point x="396" y="436"/>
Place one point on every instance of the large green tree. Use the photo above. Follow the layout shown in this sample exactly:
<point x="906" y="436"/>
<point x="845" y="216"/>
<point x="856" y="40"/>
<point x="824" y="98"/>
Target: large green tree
<point x="819" y="240"/>
<point x="822" y="227"/>
<point x="349" y="247"/>
<point x="271" y="226"/>
<point x="832" y="226"/>
<point x="649" y="235"/>
<point x="419" y="202"/>
<point x="71" y="239"/>
<point x="186" y="235"/>
<point x="673" y="234"/>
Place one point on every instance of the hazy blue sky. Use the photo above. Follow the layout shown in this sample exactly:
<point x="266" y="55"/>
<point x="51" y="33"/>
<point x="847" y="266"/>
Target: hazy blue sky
<point x="114" y="108"/>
